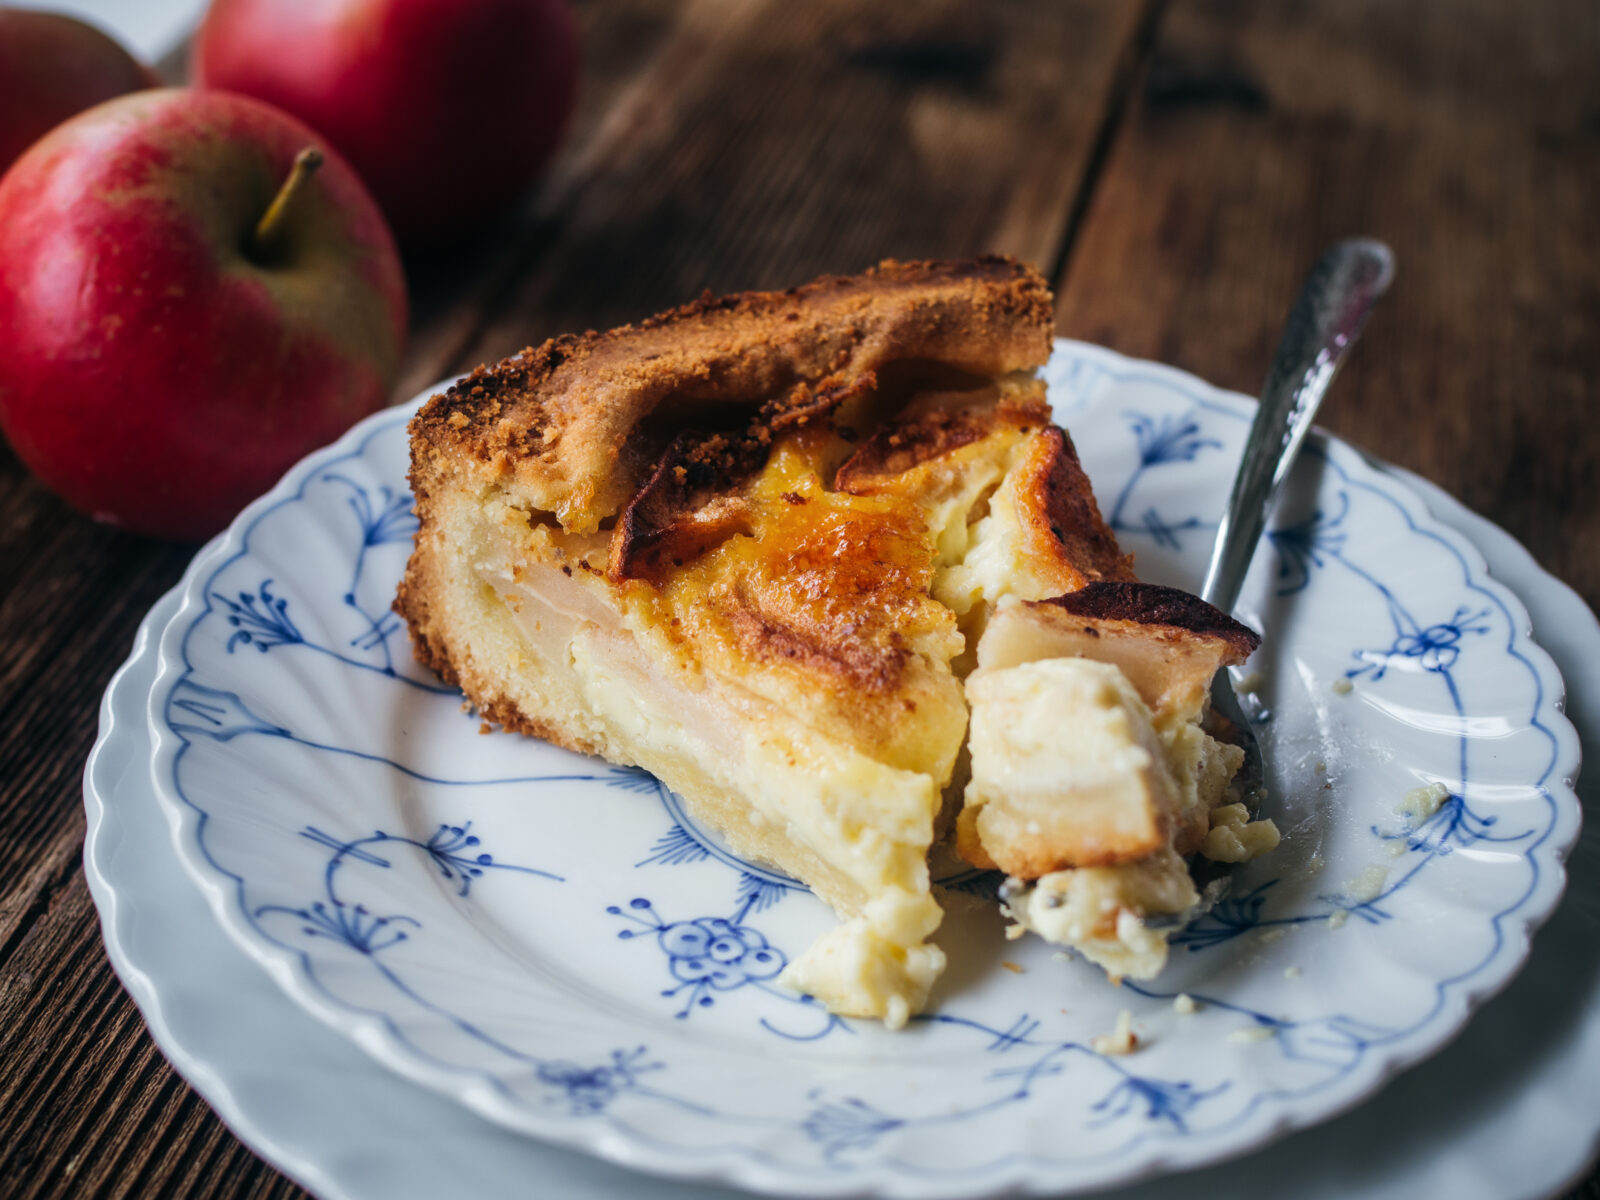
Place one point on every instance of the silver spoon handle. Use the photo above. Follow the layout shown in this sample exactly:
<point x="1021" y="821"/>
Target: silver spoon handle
<point x="1323" y="325"/>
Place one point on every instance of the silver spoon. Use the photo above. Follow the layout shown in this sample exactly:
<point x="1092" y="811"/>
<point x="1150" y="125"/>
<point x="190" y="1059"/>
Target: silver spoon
<point x="1327" y="317"/>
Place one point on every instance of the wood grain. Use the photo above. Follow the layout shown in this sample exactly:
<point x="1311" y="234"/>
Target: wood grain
<point x="70" y="599"/>
<point x="778" y="141"/>
<point x="454" y="289"/>
<point x="88" y="1107"/>
<point x="1177" y="164"/>
<point x="719" y="143"/>
<point x="1465" y="134"/>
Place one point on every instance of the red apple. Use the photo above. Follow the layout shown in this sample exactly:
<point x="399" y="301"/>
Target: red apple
<point x="164" y="358"/>
<point x="52" y="66"/>
<point x="447" y="108"/>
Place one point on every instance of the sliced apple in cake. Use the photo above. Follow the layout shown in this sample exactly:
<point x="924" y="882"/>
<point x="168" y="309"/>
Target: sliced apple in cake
<point x="1092" y="776"/>
<point x="751" y="545"/>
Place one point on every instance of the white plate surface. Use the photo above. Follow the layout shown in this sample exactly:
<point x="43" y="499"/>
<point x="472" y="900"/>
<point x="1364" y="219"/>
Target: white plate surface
<point x="593" y="969"/>
<point x="1511" y="1109"/>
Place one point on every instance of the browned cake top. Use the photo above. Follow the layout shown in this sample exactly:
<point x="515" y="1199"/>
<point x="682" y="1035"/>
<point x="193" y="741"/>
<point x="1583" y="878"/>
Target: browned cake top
<point x="779" y="481"/>
<point x="570" y="425"/>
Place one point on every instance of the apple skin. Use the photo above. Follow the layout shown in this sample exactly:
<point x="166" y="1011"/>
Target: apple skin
<point x="446" y="108"/>
<point x="51" y="67"/>
<point x="151" y="372"/>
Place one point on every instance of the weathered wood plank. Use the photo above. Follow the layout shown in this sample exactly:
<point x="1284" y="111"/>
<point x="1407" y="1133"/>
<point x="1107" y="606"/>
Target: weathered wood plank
<point x="72" y="592"/>
<point x="88" y="1107"/>
<point x="71" y="595"/>
<point x="455" y="289"/>
<point x="70" y="599"/>
<point x="1467" y="135"/>
<point x="729" y="145"/>
<point x="775" y="141"/>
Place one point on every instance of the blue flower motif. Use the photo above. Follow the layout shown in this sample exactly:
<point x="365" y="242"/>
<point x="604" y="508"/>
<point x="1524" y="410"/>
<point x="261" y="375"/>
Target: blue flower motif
<point x="363" y="931"/>
<point x="707" y="954"/>
<point x="196" y="709"/>
<point x="632" y="779"/>
<point x="676" y="846"/>
<point x="588" y="1089"/>
<point x="388" y="519"/>
<point x="262" y="619"/>
<point x="684" y="842"/>
<point x="446" y="848"/>
<point x="1453" y="824"/>
<point x="1162" y="531"/>
<point x="1426" y="648"/>
<point x="757" y="894"/>
<point x="1306" y="544"/>
<point x="1160" y="1100"/>
<point x="850" y="1124"/>
<point x="1172" y="439"/>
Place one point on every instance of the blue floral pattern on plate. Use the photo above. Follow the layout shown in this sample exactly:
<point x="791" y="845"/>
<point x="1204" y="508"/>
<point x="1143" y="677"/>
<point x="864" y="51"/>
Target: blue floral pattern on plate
<point x="554" y="941"/>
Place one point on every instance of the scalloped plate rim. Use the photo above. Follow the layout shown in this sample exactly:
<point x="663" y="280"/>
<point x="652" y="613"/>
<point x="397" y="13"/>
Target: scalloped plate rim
<point x="735" y="1164"/>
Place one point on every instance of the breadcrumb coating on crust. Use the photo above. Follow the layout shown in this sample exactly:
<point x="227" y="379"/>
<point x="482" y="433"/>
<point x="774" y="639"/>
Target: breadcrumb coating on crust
<point x="553" y="422"/>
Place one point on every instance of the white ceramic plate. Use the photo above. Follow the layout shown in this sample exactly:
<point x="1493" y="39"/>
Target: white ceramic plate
<point x="1509" y="1110"/>
<point x="555" y="972"/>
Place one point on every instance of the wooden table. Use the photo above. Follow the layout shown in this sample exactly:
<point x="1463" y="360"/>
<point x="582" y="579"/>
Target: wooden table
<point x="1174" y="167"/>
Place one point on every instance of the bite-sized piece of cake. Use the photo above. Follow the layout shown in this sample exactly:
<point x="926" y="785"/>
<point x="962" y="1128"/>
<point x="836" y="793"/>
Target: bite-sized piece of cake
<point x="1104" y="913"/>
<point x="710" y="545"/>
<point x="1091" y="775"/>
<point x="1067" y="769"/>
<point x="752" y="546"/>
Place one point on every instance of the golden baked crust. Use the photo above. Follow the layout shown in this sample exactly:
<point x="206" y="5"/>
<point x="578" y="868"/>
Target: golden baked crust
<point x="554" y="423"/>
<point x="751" y="545"/>
<point x="657" y="430"/>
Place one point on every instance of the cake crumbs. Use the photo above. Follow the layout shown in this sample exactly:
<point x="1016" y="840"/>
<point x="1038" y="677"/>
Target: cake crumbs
<point x="1368" y="885"/>
<point x="1337" y="918"/>
<point x="1183" y="1004"/>
<point x="1420" y="803"/>
<point x="1121" y="1040"/>
<point x="1342" y="686"/>
<point x="1291" y="972"/>
<point x="1014" y="968"/>
<point x="484" y="727"/>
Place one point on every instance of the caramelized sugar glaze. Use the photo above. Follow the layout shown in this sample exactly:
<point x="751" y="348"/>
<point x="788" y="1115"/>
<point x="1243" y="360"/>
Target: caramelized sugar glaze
<point x="767" y="470"/>
<point x="751" y="545"/>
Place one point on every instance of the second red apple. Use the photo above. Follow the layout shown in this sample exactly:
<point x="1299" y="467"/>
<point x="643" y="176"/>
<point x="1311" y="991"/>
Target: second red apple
<point x="446" y="108"/>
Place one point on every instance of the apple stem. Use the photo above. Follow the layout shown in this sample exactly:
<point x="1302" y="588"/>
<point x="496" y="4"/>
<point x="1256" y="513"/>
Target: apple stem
<point x="263" y="240"/>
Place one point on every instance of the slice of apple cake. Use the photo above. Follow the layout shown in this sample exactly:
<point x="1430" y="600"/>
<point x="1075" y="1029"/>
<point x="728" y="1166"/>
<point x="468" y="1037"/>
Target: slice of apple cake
<point x="755" y="545"/>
